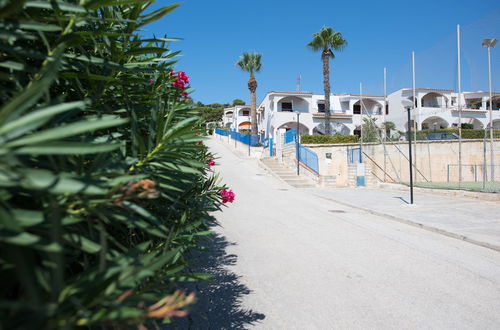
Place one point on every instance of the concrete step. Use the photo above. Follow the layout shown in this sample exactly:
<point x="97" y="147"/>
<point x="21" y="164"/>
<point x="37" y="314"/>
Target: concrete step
<point x="287" y="174"/>
<point x="290" y="176"/>
<point x="303" y="185"/>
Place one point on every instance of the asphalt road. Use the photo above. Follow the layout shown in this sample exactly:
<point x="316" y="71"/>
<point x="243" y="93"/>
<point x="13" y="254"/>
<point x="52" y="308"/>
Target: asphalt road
<point x="284" y="258"/>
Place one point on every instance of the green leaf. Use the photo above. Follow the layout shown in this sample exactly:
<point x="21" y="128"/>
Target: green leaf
<point x="157" y="14"/>
<point x="82" y="242"/>
<point x="146" y="50"/>
<point x="67" y="148"/>
<point x="37" y="118"/>
<point x="30" y="95"/>
<point x="65" y="6"/>
<point x="44" y="180"/>
<point x="95" y="4"/>
<point x="28" y="240"/>
<point x="28" y="218"/>
<point x="82" y="126"/>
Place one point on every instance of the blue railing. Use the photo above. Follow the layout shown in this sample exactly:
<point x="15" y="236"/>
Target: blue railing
<point x="309" y="158"/>
<point x="268" y="144"/>
<point x="290" y="135"/>
<point x="252" y="140"/>
<point x="221" y="132"/>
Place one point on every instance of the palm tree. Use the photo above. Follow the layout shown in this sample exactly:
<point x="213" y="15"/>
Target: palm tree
<point x="250" y="62"/>
<point x="388" y="126"/>
<point x="327" y="40"/>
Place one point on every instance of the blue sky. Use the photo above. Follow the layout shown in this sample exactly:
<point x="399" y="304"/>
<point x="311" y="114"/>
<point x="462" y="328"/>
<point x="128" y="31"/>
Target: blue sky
<point x="379" y="34"/>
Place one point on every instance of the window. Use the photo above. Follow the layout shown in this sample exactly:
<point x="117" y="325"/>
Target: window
<point x="246" y="112"/>
<point x="321" y="107"/>
<point x="357" y="109"/>
<point x="286" y="106"/>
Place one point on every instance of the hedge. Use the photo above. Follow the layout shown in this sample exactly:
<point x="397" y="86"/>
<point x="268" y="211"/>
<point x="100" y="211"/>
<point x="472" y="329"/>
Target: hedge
<point x="328" y="139"/>
<point x="466" y="133"/>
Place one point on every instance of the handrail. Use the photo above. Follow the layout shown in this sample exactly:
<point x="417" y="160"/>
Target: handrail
<point x="308" y="158"/>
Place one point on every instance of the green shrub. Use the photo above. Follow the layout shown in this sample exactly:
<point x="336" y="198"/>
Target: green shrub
<point x="328" y="139"/>
<point x="467" y="126"/>
<point x="466" y="133"/>
<point x="104" y="186"/>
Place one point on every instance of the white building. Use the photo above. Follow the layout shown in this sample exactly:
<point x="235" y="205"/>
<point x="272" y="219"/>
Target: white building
<point x="279" y="110"/>
<point x="435" y="108"/>
<point x="439" y="108"/>
<point x="237" y="117"/>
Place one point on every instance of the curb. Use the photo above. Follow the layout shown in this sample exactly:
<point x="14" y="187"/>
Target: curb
<point x="482" y="196"/>
<point x="418" y="225"/>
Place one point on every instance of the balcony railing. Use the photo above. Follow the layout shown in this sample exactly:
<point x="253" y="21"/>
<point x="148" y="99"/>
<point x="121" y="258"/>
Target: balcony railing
<point x="428" y="105"/>
<point x="294" y="110"/>
<point x="334" y="111"/>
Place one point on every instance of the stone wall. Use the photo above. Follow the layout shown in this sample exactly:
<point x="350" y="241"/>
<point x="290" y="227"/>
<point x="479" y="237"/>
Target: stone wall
<point x="433" y="160"/>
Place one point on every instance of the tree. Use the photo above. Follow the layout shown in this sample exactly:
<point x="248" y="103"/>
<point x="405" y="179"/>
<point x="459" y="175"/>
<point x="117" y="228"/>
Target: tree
<point x="388" y="126"/>
<point x="370" y="130"/>
<point x="250" y="62"/>
<point x="238" y="102"/>
<point x="327" y="40"/>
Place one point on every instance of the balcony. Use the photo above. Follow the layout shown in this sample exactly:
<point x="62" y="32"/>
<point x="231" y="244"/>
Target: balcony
<point x="433" y="105"/>
<point x="293" y="110"/>
<point x="334" y="113"/>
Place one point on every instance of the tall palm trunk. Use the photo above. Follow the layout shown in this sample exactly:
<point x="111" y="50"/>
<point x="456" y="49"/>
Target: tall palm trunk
<point x="252" y="86"/>
<point x="325" y="56"/>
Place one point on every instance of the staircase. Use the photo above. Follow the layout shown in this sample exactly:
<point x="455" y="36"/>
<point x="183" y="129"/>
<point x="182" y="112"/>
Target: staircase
<point x="287" y="174"/>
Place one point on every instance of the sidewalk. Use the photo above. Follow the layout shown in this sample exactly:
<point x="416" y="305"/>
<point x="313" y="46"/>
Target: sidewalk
<point x="474" y="221"/>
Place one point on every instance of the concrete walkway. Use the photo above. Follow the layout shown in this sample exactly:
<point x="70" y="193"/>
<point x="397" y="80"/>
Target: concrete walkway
<point x="474" y="221"/>
<point x="286" y="258"/>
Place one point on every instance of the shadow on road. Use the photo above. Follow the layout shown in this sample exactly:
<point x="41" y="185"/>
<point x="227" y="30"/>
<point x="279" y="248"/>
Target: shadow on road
<point x="218" y="304"/>
<point x="402" y="199"/>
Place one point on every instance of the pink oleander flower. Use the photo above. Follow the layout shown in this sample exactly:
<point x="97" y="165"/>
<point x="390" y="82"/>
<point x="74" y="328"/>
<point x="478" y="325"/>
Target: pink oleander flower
<point x="184" y="94"/>
<point x="182" y="76"/>
<point x="211" y="162"/>
<point x="200" y="142"/>
<point x="227" y="196"/>
<point x="151" y="82"/>
<point x="179" y="84"/>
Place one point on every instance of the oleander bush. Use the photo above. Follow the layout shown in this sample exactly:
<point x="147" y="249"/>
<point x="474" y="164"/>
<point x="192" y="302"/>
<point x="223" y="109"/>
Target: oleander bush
<point x="328" y="139"/>
<point x="104" y="180"/>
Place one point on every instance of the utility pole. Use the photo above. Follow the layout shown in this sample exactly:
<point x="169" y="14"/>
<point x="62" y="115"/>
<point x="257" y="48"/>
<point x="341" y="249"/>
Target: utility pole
<point x="490" y="43"/>
<point x="409" y="154"/>
<point x="361" y="112"/>
<point x="297" y="143"/>
<point x="415" y="107"/>
<point x="384" y="130"/>
<point x="459" y="112"/>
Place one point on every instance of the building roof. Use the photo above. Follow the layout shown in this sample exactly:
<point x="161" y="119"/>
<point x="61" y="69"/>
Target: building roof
<point x="428" y="89"/>
<point x="234" y="106"/>
<point x="285" y="92"/>
<point x="482" y="92"/>
<point x="364" y="95"/>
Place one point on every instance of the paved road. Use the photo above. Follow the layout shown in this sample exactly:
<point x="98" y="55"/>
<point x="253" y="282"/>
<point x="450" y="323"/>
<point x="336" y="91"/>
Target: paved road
<point x="473" y="220"/>
<point x="287" y="259"/>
